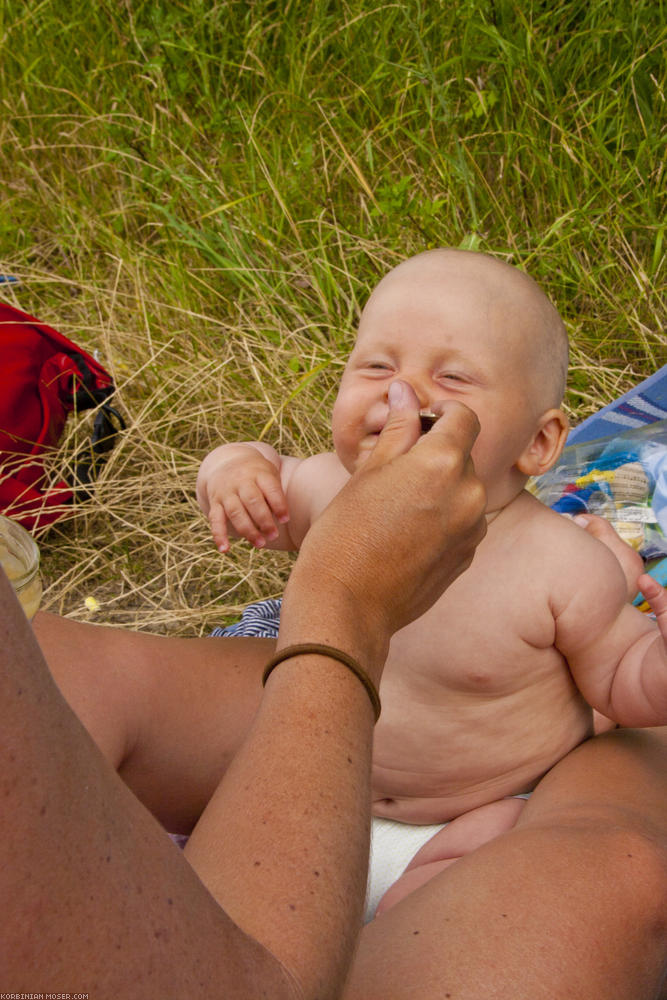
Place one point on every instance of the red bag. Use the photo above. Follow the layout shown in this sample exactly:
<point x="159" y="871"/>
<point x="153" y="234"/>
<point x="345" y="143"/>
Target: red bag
<point x="43" y="378"/>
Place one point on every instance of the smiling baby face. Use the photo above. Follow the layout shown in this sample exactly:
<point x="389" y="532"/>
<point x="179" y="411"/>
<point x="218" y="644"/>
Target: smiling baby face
<point x="456" y="325"/>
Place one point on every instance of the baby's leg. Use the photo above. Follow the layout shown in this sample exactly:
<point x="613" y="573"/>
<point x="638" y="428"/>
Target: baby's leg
<point x="463" y="835"/>
<point x="167" y="713"/>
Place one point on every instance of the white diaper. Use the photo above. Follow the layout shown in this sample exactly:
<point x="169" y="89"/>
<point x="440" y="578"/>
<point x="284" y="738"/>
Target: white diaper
<point x="393" y="846"/>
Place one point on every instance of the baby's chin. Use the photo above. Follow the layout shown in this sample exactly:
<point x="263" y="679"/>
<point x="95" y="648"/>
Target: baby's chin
<point x="353" y="462"/>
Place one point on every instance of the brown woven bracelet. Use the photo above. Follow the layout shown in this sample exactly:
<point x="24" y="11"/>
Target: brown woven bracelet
<point x="335" y="654"/>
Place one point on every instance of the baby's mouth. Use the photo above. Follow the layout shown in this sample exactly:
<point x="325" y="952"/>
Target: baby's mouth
<point x="427" y="419"/>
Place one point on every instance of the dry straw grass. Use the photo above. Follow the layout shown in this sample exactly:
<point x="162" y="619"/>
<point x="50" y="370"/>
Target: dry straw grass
<point x="206" y="192"/>
<point x="186" y="381"/>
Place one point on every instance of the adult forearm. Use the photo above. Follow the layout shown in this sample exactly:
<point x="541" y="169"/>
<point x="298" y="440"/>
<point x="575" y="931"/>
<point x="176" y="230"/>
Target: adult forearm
<point x="283" y="845"/>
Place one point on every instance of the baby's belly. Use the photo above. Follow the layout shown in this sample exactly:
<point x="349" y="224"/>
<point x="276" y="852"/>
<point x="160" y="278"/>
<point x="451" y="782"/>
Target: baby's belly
<point x="432" y="769"/>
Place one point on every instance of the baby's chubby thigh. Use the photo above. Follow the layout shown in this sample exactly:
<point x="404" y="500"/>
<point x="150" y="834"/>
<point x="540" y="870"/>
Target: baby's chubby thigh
<point x="449" y="843"/>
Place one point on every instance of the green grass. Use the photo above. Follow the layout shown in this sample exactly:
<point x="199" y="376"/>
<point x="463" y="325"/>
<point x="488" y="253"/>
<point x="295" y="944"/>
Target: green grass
<point x="206" y="192"/>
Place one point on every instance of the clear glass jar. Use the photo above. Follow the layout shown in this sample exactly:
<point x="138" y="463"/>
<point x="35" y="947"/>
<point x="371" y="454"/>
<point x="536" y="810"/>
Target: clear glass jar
<point x="19" y="556"/>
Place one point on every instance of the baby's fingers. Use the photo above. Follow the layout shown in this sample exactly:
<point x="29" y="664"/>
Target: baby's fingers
<point x="243" y="525"/>
<point x="250" y="516"/>
<point x="656" y="595"/>
<point x="275" y="498"/>
<point x="218" y="522"/>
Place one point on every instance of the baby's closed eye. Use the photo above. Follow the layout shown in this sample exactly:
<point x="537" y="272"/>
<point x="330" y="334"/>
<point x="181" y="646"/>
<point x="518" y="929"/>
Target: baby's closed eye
<point x="447" y="378"/>
<point x="378" y="367"/>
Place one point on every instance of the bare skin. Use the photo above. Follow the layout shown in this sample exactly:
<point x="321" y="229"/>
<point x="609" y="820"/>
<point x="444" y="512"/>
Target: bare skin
<point x="494" y="684"/>
<point x="595" y="808"/>
<point x="568" y="905"/>
<point x="131" y="672"/>
<point x="631" y="562"/>
<point x="532" y="915"/>
<point x="556" y="655"/>
<point x="97" y="899"/>
<point x="160" y="700"/>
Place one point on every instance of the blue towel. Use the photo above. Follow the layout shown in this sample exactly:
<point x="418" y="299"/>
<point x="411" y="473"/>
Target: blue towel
<point x="644" y="404"/>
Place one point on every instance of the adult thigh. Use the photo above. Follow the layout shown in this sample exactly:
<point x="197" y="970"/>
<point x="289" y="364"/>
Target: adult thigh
<point x="571" y="903"/>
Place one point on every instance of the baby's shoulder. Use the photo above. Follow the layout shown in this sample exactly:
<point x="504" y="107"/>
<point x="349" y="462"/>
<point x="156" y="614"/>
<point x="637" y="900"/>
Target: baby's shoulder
<point x="556" y="542"/>
<point x="532" y="525"/>
<point x="577" y="562"/>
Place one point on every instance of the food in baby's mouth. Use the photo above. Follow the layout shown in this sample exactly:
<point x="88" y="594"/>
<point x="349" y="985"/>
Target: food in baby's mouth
<point x="427" y="419"/>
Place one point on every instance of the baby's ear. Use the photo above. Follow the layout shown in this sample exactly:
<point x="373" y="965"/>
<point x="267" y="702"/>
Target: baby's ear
<point x="546" y="446"/>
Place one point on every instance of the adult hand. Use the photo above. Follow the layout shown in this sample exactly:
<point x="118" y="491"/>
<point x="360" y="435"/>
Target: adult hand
<point x="395" y="537"/>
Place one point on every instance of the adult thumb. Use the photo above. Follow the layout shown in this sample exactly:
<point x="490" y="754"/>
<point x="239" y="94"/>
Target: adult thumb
<point x="403" y="427"/>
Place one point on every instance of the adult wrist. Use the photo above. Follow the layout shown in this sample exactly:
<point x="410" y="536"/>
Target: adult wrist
<point x="332" y="653"/>
<point x="328" y="613"/>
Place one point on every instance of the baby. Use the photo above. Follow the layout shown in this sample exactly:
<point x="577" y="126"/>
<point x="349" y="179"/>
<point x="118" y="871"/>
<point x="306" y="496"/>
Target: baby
<point x="495" y="683"/>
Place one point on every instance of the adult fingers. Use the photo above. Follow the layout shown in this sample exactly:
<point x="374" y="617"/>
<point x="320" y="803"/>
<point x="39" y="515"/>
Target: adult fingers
<point x="457" y="423"/>
<point x="402" y="428"/>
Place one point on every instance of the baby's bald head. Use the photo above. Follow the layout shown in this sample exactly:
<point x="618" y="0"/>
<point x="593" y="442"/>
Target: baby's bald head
<point x="523" y="318"/>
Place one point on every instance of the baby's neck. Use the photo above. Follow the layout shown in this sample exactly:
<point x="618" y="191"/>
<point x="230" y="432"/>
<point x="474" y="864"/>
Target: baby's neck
<point x="504" y="490"/>
<point x="491" y="515"/>
<point x="494" y="511"/>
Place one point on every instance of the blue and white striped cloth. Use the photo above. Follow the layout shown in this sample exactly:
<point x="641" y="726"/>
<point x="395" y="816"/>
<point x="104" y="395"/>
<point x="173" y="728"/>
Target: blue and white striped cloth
<point x="644" y="404"/>
<point x="261" y="620"/>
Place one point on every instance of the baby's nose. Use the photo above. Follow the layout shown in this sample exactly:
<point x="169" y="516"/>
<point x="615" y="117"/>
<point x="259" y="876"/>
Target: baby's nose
<point x="419" y="386"/>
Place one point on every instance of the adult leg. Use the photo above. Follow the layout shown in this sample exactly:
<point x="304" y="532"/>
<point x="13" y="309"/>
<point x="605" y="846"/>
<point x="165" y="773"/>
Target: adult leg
<point x="95" y="897"/>
<point x="168" y="714"/>
<point x="459" y="837"/>
<point x="571" y="903"/>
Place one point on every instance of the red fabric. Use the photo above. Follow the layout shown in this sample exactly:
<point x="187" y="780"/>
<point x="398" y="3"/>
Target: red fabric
<point x="43" y="376"/>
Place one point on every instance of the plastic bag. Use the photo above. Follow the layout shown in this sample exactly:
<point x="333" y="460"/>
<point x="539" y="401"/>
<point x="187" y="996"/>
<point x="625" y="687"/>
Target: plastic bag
<point x="622" y="478"/>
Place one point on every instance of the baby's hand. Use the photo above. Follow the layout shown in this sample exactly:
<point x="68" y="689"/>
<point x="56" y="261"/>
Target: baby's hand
<point x="244" y="492"/>
<point x="656" y="595"/>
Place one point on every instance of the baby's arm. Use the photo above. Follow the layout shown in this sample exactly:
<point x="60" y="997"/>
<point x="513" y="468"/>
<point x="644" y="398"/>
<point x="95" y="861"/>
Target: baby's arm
<point x="242" y="488"/>
<point x="250" y="491"/>
<point x="617" y="655"/>
<point x="638" y="689"/>
<point x="631" y="562"/>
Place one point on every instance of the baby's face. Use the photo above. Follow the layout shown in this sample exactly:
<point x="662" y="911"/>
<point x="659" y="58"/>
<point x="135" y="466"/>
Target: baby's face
<point x="458" y="344"/>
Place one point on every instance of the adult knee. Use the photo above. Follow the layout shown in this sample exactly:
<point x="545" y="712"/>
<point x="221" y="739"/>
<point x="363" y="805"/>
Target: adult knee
<point x="638" y="868"/>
